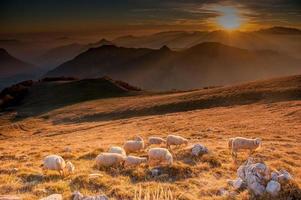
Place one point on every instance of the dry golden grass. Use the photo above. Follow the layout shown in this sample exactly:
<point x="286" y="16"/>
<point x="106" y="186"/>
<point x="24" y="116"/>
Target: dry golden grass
<point x="90" y="128"/>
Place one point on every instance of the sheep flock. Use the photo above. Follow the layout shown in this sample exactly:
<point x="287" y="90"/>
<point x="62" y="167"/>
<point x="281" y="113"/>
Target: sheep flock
<point x="255" y="177"/>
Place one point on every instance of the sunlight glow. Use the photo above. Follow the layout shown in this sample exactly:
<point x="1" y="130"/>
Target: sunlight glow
<point x="229" y="18"/>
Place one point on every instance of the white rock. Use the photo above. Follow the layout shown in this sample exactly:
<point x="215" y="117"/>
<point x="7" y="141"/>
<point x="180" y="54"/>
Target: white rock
<point x="155" y="172"/>
<point x="53" y="197"/>
<point x="198" y="149"/>
<point x="79" y="196"/>
<point x="238" y="183"/>
<point x="284" y="175"/>
<point x="273" y="188"/>
<point x="274" y="176"/>
<point x="223" y="192"/>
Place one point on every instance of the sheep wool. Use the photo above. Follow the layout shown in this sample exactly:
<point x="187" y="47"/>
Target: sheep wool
<point x="54" y="162"/>
<point x="155" y="140"/>
<point x="118" y="150"/>
<point x="175" y="140"/>
<point x="134" y="161"/>
<point x="109" y="159"/>
<point x="160" y="156"/>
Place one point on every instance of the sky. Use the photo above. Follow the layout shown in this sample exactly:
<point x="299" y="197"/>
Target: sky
<point x="118" y="17"/>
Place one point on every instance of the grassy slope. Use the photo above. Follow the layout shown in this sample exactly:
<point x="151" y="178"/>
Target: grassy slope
<point x="93" y="126"/>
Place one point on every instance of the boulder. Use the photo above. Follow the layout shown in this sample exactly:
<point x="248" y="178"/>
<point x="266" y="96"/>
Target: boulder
<point x="78" y="196"/>
<point x="273" y="188"/>
<point x="199" y="149"/>
<point x="238" y="184"/>
<point x="155" y="172"/>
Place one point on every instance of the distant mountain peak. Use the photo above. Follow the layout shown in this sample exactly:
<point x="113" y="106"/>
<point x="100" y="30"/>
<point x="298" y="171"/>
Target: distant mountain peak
<point x="103" y="41"/>
<point x="165" y="48"/>
<point x="280" y="30"/>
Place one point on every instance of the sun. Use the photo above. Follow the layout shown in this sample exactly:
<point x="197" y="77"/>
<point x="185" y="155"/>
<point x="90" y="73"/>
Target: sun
<point x="229" y="18"/>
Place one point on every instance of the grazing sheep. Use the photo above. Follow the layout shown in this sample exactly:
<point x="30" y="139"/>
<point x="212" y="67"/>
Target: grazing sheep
<point x="134" y="145"/>
<point x="118" y="150"/>
<point x="109" y="159"/>
<point x="175" y="140"/>
<point x="55" y="162"/>
<point x="155" y="140"/>
<point x="134" y="161"/>
<point x="159" y="156"/>
<point x="240" y="143"/>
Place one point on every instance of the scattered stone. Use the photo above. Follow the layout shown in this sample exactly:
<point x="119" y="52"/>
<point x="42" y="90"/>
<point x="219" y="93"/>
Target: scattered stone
<point x="284" y="175"/>
<point x="199" y="149"/>
<point x="155" y="172"/>
<point x="53" y="197"/>
<point x="238" y="184"/>
<point x="223" y="192"/>
<point x="255" y="175"/>
<point x="273" y="188"/>
<point x="9" y="197"/>
<point x="78" y="196"/>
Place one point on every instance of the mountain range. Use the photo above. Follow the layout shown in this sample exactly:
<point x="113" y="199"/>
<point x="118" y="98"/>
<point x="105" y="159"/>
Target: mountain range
<point x="205" y="64"/>
<point x="13" y="70"/>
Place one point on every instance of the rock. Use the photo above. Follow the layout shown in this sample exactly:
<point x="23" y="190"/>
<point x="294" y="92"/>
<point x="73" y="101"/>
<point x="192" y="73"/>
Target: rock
<point x="274" y="176"/>
<point x="155" y="172"/>
<point x="256" y="188"/>
<point x="198" y="149"/>
<point x="9" y="197"/>
<point x="273" y="188"/>
<point x="255" y="175"/>
<point x="78" y="196"/>
<point x="223" y="192"/>
<point x="284" y="175"/>
<point x="53" y="197"/>
<point x="238" y="184"/>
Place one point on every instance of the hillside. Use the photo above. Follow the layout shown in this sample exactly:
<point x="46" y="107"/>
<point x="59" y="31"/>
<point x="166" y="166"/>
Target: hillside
<point x="61" y="54"/>
<point x="202" y="65"/>
<point x="52" y="93"/>
<point x="269" y="109"/>
<point x="13" y="70"/>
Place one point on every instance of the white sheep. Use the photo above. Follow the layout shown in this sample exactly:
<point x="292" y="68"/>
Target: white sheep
<point x="134" y="161"/>
<point x="134" y="145"/>
<point x="109" y="159"/>
<point x="57" y="163"/>
<point x="159" y="156"/>
<point x="155" y="140"/>
<point x="240" y="143"/>
<point x="116" y="149"/>
<point x="175" y="140"/>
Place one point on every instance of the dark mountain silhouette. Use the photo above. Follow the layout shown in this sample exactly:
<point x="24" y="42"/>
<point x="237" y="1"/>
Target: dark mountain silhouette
<point x="10" y="66"/>
<point x="281" y="30"/>
<point x="59" y="55"/>
<point x="51" y="93"/>
<point x="13" y="70"/>
<point x="202" y="65"/>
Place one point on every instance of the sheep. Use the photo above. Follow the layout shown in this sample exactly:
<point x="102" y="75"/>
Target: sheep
<point x="109" y="159"/>
<point x="175" y="140"/>
<point x="155" y="140"/>
<point x="134" y="161"/>
<point x="134" y="145"/>
<point x="159" y="156"/>
<point x="55" y="162"/>
<point x="118" y="150"/>
<point x="240" y="143"/>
